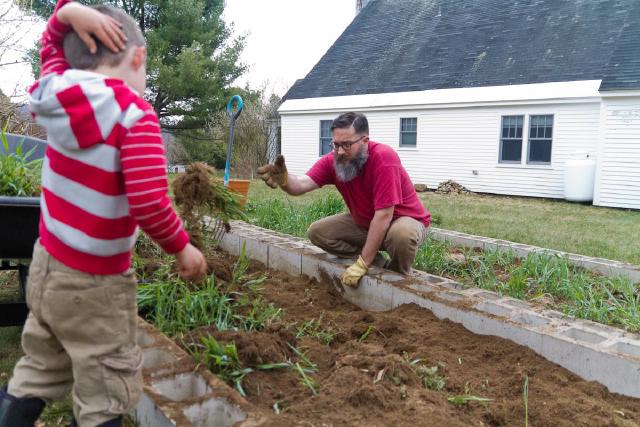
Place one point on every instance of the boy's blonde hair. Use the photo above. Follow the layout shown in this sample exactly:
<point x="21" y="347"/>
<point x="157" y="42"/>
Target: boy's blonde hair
<point x="77" y="53"/>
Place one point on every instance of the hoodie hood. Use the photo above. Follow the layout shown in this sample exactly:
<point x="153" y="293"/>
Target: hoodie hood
<point x="78" y="108"/>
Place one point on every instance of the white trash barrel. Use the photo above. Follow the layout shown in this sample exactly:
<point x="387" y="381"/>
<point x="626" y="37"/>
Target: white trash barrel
<point x="579" y="177"/>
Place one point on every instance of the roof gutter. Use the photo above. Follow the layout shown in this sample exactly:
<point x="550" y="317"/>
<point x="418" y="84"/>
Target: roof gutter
<point x="537" y="93"/>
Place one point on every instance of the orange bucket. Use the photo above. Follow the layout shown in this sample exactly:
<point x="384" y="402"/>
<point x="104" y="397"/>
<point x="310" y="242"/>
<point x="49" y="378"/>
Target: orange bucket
<point x="240" y="187"/>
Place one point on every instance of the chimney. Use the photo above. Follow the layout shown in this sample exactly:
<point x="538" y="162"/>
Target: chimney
<point x="360" y="4"/>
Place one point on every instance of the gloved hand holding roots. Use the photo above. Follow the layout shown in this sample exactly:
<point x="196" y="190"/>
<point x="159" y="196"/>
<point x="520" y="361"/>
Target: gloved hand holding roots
<point x="274" y="174"/>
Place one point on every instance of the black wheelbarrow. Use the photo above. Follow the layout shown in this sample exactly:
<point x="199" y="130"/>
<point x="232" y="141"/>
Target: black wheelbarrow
<point x="19" y="218"/>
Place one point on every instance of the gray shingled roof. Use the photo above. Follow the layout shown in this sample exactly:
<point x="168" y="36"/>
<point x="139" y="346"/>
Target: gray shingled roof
<point x="409" y="45"/>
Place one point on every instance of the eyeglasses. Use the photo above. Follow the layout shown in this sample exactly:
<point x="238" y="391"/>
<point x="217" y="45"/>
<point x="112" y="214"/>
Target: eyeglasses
<point x="346" y="146"/>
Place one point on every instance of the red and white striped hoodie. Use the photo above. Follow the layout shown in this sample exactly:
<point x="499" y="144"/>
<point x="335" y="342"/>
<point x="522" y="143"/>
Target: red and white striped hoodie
<point x="104" y="172"/>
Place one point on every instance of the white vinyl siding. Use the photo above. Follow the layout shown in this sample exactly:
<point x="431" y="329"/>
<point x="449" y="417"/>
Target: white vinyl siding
<point x="462" y="140"/>
<point x="618" y="177"/>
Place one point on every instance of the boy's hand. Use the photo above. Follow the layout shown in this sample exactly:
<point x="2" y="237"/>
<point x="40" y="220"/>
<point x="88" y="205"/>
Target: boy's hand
<point x="191" y="263"/>
<point x="88" y="22"/>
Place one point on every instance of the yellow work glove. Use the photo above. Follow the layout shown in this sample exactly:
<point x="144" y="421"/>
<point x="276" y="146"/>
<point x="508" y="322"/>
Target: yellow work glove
<point x="352" y="275"/>
<point x="275" y="174"/>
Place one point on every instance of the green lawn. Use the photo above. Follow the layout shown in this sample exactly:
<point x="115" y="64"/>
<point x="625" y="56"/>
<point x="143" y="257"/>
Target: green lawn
<point x="571" y="227"/>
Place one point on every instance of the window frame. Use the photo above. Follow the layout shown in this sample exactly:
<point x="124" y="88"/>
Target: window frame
<point x="327" y="138"/>
<point x="501" y="139"/>
<point x="529" y="139"/>
<point x="405" y="132"/>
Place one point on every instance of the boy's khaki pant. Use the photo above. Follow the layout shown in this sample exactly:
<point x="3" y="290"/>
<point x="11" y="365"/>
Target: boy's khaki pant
<point x="81" y="336"/>
<point x="339" y="235"/>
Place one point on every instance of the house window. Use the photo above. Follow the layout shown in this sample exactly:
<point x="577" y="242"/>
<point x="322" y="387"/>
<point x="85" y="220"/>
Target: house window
<point x="540" y="136"/>
<point x="325" y="136"/>
<point x="511" y="139"/>
<point x="408" y="132"/>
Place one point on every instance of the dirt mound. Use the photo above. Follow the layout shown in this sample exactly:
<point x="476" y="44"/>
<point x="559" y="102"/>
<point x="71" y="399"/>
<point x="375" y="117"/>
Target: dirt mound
<point x="254" y="348"/>
<point x="257" y="348"/>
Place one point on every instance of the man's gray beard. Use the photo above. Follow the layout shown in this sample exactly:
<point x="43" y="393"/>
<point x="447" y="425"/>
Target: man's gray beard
<point x="345" y="172"/>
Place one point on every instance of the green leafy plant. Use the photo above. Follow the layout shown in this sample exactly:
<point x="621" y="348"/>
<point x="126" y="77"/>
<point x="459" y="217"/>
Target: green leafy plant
<point x="305" y="368"/>
<point x="19" y="176"/>
<point x="314" y="328"/>
<point x="223" y="361"/>
<point x="366" y="333"/>
<point x="430" y="378"/>
<point x="465" y="399"/>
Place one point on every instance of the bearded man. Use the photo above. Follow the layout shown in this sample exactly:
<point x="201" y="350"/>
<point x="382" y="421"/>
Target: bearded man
<point x="384" y="210"/>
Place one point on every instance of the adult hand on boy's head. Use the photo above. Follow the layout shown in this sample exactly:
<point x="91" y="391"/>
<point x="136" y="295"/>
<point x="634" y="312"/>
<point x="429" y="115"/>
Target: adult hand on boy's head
<point x="88" y="22"/>
<point x="191" y="263"/>
<point x="275" y="174"/>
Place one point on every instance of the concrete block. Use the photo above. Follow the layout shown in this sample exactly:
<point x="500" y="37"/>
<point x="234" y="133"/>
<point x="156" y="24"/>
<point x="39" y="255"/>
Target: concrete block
<point x="371" y="294"/>
<point x="214" y="413"/>
<point x="451" y="284"/>
<point x="452" y="296"/>
<point x="431" y="278"/>
<point x="388" y="275"/>
<point x="580" y="334"/>
<point x="424" y="287"/>
<point x="284" y="258"/>
<point x="495" y="308"/>
<point x="531" y="319"/>
<point x="515" y="303"/>
<point x="627" y="348"/>
<point x="154" y="357"/>
<point x="230" y="243"/>
<point x="148" y="414"/>
<point x="182" y="387"/>
<point x="554" y="314"/>
<point x="618" y="374"/>
<point x="143" y="339"/>
<point x="481" y="293"/>
<point x="255" y="248"/>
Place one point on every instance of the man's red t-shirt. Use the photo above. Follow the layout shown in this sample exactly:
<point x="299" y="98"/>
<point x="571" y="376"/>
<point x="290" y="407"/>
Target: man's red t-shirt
<point x="382" y="183"/>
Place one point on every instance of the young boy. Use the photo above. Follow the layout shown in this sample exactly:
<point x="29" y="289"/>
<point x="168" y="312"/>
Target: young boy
<point x="104" y="174"/>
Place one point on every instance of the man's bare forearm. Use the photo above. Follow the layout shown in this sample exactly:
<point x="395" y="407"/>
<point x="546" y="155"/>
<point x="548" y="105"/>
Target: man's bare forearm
<point x="297" y="185"/>
<point x="377" y="230"/>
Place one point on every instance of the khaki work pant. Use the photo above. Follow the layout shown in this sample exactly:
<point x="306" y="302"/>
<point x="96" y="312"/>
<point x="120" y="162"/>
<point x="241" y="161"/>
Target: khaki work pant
<point x="80" y="336"/>
<point x="340" y="236"/>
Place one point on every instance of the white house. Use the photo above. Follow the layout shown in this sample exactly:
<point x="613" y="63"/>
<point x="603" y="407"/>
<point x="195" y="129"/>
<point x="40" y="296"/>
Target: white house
<point x="496" y="95"/>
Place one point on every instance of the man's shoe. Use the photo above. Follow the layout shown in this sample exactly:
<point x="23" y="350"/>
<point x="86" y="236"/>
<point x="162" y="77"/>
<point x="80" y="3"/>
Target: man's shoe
<point x="19" y="412"/>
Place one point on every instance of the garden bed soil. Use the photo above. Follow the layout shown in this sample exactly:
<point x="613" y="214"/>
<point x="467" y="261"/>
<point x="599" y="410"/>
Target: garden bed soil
<point x="366" y="377"/>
